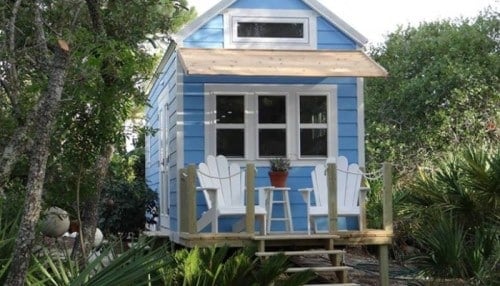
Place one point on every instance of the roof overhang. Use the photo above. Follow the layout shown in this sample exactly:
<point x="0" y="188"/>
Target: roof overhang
<point x="303" y="63"/>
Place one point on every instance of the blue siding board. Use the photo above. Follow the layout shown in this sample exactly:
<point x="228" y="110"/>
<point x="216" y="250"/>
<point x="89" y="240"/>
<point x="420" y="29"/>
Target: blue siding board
<point x="270" y="4"/>
<point x="205" y="45"/>
<point x="211" y="35"/>
<point x="348" y="116"/>
<point x="348" y="129"/>
<point x="207" y="35"/>
<point x="331" y="38"/>
<point x="348" y="103"/>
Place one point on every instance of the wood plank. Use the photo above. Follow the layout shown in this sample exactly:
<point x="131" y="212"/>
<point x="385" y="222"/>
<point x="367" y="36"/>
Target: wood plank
<point x="387" y="197"/>
<point x="310" y="63"/>
<point x="319" y="269"/>
<point x="250" y="200"/>
<point x="295" y="237"/>
<point x="384" y="265"/>
<point x="303" y="253"/>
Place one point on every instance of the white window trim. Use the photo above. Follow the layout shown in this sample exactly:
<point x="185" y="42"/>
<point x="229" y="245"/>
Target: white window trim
<point x="292" y="93"/>
<point x="306" y="17"/>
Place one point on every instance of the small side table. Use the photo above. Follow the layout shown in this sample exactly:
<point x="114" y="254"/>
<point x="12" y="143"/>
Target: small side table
<point x="285" y="201"/>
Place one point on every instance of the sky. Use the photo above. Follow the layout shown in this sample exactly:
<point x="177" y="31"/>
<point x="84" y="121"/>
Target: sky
<point x="375" y="19"/>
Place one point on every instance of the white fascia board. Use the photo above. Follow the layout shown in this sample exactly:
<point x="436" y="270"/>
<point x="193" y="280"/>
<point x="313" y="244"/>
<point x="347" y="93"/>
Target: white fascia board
<point x="201" y="20"/>
<point x="337" y="21"/>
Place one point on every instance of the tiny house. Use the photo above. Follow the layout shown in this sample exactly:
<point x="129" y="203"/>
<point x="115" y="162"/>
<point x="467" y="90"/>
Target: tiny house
<point x="254" y="80"/>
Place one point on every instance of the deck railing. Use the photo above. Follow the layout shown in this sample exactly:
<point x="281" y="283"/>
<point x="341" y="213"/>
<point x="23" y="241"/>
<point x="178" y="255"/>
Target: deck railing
<point x="188" y="201"/>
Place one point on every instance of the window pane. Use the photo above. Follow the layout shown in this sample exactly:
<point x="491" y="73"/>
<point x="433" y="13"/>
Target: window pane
<point x="270" y="30"/>
<point x="272" y="109"/>
<point x="272" y="142"/>
<point x="313" y="142"/>
<point x="230" y="142"/>
<point x="313" y="109"/>
<point x="230" y="109"/>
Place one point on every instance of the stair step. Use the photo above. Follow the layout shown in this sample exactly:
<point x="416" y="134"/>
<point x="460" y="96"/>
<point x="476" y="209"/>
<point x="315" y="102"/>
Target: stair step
<point x="318" y="269"/>
<point x="304" y="252"/>
<point x="295" y="236"/>
<point x="335" y="284"/>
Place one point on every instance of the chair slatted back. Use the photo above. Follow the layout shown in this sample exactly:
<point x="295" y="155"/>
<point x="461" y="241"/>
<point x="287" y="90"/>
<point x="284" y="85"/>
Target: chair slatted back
<point x="348" y="185"/>
<point x="216" y="172"/>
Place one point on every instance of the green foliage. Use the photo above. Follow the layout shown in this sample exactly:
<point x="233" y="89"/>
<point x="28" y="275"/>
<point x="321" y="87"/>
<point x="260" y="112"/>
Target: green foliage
<point x="123" y="207"/>
<point x="134" y="266"/>
<point x="453" y="211"/>
<point x="442" y="91"/>
<point x="9" y="225"/>
<point x="144" y="264"/>
<point x="217" y="266"/>
<point x="279" y="164"/>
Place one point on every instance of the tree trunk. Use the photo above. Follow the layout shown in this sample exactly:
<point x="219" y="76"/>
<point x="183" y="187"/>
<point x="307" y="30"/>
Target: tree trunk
<point x="90" y="208"/>
<point x="38" y="161"/>
<point x="17" y="145"/>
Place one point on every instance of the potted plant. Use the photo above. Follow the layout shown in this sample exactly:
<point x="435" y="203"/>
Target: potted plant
<point x="279" y="171"/>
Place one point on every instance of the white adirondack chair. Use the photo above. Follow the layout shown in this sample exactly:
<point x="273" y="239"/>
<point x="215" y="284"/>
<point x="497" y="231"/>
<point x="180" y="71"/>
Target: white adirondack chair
<point x="349" y="179"/>
<point x="223" y="186"/>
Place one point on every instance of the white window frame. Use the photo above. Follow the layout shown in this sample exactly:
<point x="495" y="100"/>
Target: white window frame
<point x="331" y="117"/>
<point x="305" y="17"/>
<point x="292" y="93"/>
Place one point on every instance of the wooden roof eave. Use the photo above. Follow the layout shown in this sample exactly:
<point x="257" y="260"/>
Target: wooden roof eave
<point x="307" y="63"/>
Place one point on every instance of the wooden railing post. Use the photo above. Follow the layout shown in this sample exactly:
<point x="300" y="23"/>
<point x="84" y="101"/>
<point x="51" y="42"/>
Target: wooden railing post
<point x="250" y="199"/>
<point x="191" y="199"/>
<point x="362" y="201"/>
<point x="331" y="172"/>
<point x="387" y="198"/>
<point x="182" y="201"/>
<point x="387" y="224"/>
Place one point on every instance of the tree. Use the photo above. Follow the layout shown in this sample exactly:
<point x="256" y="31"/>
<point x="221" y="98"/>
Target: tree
<point x="100" y="79"/>
<point x="442" y="90"/>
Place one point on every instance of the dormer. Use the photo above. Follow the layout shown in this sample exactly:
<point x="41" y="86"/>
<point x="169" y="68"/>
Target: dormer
<point x="271" y="25"/>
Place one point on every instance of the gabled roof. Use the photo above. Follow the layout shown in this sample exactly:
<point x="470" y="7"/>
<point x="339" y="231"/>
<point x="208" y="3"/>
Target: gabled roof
<point x="304" y="63"/>
<point x="314" y="4"/>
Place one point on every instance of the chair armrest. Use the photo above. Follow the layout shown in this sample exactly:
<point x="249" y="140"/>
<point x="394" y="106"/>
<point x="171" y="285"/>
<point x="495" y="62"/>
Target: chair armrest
<point x="210" y="196"/>
<point x="306" y="195"/>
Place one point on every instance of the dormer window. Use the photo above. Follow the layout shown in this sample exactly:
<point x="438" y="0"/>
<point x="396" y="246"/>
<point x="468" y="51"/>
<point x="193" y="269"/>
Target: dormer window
<point x="266" y="29"/>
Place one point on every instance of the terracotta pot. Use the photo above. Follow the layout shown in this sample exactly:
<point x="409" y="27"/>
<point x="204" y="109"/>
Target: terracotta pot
<point x="278" y="179"/>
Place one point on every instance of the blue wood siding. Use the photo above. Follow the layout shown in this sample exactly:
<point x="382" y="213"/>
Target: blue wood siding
<point x="211" y="35"/>
<point x="331" y="38"/>
<point x="194" y="138"/>
<point x="165" y="85"/>
<point x="270" y="4"/>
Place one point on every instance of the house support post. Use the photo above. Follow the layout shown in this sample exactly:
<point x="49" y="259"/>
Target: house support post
<point x="250" y="200"/>
<point x="387" y="224"/>
<point x="331" y="172"/>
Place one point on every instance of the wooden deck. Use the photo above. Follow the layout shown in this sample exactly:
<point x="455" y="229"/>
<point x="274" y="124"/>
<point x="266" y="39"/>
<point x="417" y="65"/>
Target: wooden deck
<point x="285" y="240"/>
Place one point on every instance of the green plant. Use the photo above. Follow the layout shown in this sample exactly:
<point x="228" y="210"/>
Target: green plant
<point x="279" y="164"/>
<point x="218" y="266"/>
<point x="138" y="265"/>
<point x="454" y="216"/>
<point x="123" y="207"/>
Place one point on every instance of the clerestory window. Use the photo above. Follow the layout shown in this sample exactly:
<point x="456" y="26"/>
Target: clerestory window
<point x="276" y="29"/>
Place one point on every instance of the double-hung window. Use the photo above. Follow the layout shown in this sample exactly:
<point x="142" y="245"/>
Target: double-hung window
<point x="252" y="122"/>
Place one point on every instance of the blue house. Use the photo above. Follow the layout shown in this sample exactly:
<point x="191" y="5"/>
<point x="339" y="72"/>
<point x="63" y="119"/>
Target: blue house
<point x="253" y="80"/>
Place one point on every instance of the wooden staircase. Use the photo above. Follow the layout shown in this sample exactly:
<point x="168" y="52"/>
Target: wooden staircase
<point x="335" y="256"/>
